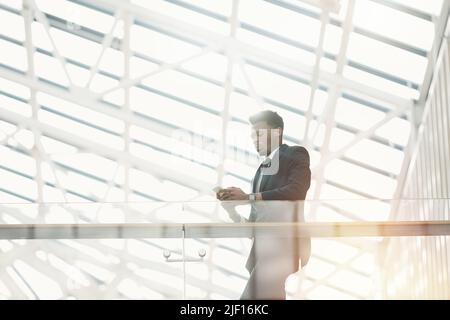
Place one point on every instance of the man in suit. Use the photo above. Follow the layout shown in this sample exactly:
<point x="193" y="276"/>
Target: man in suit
<point x="283" y="175"/>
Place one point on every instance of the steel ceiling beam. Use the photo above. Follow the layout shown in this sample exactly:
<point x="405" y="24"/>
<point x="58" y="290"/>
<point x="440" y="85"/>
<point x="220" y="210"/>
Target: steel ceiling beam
<point x="206" y="37"/>
<point x="116" y="155"/>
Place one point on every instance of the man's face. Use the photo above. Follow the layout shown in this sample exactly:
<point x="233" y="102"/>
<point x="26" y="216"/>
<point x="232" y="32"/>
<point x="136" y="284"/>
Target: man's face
<point x="263" y="136"/>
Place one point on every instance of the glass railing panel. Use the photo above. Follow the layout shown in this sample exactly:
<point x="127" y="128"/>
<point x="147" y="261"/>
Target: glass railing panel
<point x="360" y="249"/>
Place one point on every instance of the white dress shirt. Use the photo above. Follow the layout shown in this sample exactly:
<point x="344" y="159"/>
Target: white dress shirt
<point x="261" y="174"/>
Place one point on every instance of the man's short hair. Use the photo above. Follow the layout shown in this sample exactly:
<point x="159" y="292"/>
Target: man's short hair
<point x="272" y="118"/>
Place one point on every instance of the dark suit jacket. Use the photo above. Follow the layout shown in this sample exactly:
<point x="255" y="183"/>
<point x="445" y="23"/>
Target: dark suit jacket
<point x="291" y="182"/>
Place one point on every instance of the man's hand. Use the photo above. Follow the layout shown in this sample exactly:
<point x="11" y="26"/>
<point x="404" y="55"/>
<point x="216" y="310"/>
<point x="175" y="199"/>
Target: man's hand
<point x="230" y="197"/>
<point x="231" y="193"/>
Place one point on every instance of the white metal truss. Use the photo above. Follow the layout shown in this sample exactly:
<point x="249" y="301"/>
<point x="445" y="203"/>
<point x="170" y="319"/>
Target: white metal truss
<point x="417" y="113"/>
<point x="324" y="20"/>
<point x="330" y="107"/>
<point x="209" y="37"/>
<point x="440" y="27"/>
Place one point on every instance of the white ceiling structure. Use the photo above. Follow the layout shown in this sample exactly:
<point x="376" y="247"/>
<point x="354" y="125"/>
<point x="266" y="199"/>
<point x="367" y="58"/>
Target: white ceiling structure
<point x="147" y="102"/>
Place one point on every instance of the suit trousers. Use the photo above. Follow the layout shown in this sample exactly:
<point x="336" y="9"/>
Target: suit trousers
<point x="267" y="279"/>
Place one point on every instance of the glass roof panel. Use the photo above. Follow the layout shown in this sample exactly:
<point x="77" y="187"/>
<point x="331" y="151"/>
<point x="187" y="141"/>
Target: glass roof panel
<point x="377" y="55"/>
<point x="383" y="84"/>
<point x="189" y="88"/>
<point x="75" y="47"/>
<point x="333" y="37"/>
<point x="191" y="16"/>
<point x="15" y="105"/>
<point x="396" y="25"/>
<point x="355" y="115"/>
<point x="221" y="6"/>
<point x="13" y="55"/>
<point x="79" y="112"/>
<point x="429" y="6"/>
<point x="40" y="37"/>
<point x="50" y="69"/>
<point x="160" y="46"/>
<point x="380" y="186"/>
<point x="82" y="130"/>
<point x="14" y="88"/>
<point x="339" y="138"/>
<point x="163" y="108"/>
<point x="275" y="47"/>
<point x="78" y="76"/>
<point x="377" y="155"/>
<point x="351" y="281"/>
<point x="19" y="185"/>
<point x="278" y="20"/>
<point x="77" y="14"/>
<point x="16" y="161"/>
<point x="11" y="25"/>
<point x="287" y="91"/>
<point x="16" y="4"/>
<point x="396" y="130"/>
<point x="211" y="65"/>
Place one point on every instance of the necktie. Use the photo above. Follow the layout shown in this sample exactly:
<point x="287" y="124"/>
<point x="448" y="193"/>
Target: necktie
<point x="256" y="179"/>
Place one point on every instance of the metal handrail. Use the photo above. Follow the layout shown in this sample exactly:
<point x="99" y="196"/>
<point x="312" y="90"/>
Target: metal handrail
<point x="224" y="230"/>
